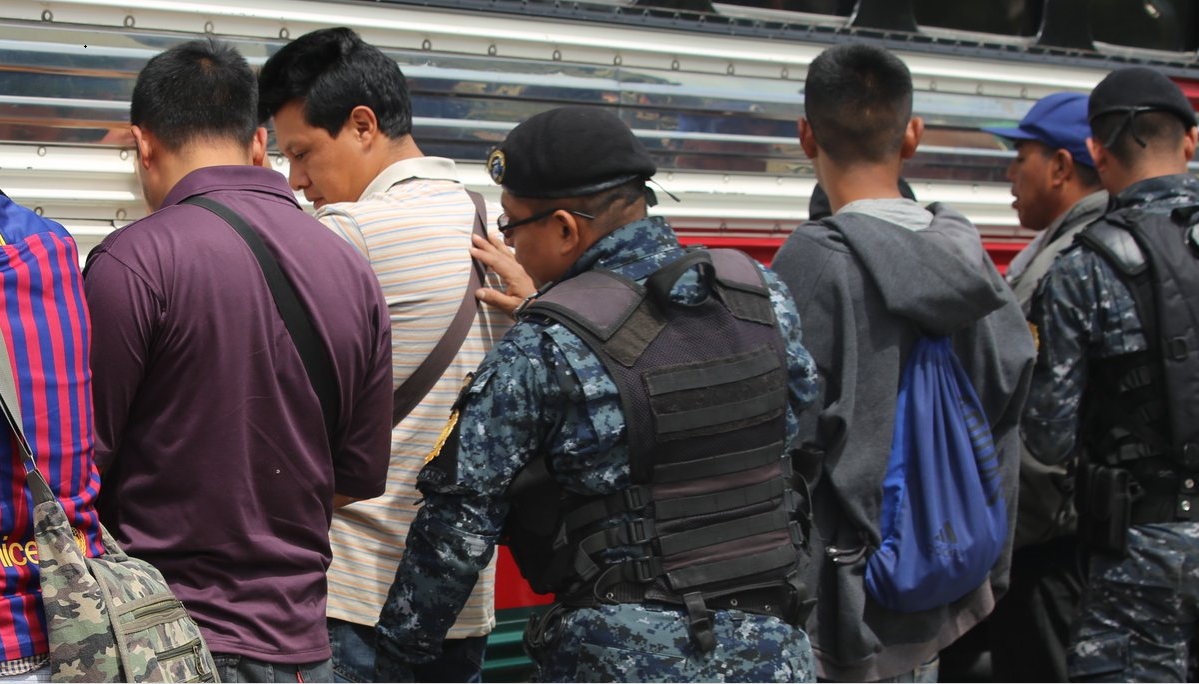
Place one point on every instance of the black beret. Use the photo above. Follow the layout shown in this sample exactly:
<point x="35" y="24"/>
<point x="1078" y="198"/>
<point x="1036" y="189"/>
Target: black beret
<point x="1139" y="89"/>
<point x="569" y="152"/>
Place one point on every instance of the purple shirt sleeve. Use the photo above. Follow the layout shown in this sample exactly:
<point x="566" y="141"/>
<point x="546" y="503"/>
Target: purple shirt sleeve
<point x="124" y="314"/>
<point x="360" y="468"/>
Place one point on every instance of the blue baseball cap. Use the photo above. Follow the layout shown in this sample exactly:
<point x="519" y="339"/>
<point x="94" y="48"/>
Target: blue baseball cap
<point x="1058" y="121"/>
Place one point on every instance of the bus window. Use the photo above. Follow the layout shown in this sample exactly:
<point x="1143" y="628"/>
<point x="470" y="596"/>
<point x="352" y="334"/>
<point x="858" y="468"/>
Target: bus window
<point x="842" y="8"/>
<point x="1171" y="25"/>
<point x="1003" y="17"/>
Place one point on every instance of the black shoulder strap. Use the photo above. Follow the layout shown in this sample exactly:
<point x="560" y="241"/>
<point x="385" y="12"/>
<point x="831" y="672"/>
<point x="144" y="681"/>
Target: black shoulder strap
<point x="413" y="390"/>
<point x="315" y="357"/>
<point x="597" y="301"/>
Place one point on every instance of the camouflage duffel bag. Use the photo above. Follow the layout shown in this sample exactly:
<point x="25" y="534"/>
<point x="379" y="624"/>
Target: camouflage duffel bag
<point x="111" y="618"/>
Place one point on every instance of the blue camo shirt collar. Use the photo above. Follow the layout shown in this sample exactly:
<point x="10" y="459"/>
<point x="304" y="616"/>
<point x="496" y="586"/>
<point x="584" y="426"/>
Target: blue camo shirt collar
<point x="1172" y="190"/>
<point x="635" y="250"/>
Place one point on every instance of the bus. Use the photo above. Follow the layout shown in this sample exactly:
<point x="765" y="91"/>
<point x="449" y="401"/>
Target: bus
<point x="713" y="90"/>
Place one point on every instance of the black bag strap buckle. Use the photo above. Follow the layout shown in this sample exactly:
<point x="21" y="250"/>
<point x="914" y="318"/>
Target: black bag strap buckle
<point x="635" y="498"/>
<point x="646" y="569"/>
<point x="699" y="622"/>
<point x="640" y="531"/>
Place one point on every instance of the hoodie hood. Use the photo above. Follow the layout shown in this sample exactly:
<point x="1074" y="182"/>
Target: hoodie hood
<point x="940" y="277"/>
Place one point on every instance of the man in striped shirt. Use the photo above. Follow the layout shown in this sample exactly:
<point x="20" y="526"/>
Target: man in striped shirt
<point x="45" y="329"/>
<point x="343" y="119"/>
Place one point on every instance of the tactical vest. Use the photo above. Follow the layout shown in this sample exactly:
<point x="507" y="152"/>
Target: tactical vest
<point x="1140" y="411"/>
<point x="711" y="517"/>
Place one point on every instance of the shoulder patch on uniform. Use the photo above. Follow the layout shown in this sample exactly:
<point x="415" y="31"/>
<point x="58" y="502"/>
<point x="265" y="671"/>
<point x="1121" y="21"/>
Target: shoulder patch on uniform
<point x="452" y="423"/>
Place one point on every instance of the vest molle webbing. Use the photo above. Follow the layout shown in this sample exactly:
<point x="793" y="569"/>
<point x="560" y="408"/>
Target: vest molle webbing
<point x="1142" y="405"/>
<point x="712" y="519"/>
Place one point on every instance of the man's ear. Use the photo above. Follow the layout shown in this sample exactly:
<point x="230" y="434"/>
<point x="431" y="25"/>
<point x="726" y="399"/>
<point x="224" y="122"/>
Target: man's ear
<point x="570" y="234"/>
<point x="363" y="125"/>
<point x="807" y="139"/>
<point x="258" y="148"/>
<point x="1099" y="155"/>
<point x="912" y="135"/>
<point x="147" y="147"/>
<point x="1189" y="142"/>
<point x="1061" y="167"/>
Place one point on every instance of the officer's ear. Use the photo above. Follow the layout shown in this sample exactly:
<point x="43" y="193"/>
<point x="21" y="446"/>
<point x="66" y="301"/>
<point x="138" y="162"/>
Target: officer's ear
<point x="1189" y="142"/>
<point x="1098" y="155"/>
<point x="567" y="232"/>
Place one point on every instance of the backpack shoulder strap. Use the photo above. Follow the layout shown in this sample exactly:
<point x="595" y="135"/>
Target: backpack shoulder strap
<point x="413" y="390"/>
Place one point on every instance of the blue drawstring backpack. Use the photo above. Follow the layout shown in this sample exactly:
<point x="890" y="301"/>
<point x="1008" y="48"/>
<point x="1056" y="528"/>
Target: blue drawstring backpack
<point x="944" y="519"/>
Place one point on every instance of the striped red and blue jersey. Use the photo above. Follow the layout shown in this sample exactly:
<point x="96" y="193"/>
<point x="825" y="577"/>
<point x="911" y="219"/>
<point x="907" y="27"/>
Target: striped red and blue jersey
<point x="45" y="325"/>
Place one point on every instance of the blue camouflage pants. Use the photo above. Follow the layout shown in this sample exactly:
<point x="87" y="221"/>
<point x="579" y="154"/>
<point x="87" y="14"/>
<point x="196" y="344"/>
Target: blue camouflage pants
<point x="1138" y="615"/>
<point x="650" y="643"/>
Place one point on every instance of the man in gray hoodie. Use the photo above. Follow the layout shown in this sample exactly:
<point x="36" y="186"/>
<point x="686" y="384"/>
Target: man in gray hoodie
<point x="869" y="281"/>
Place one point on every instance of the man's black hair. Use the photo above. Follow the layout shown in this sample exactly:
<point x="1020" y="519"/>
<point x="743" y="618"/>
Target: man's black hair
<point x="1088" y="176"/>
<point x="1160" y="131"/>
<point x="201" y="89"/>
<point x="332" y="71"/>
<point x="858" y="100"/>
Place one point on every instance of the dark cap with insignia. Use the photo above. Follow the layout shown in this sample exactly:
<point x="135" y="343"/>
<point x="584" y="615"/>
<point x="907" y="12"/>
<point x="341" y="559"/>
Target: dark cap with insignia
<point x="569" y="152"/>
<point x="1134" y="90"/>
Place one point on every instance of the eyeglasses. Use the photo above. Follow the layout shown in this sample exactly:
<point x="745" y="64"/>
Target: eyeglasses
<point x="506" y="226"/>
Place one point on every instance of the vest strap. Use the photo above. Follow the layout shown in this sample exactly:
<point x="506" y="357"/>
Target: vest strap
<point x="720" y="501"/>
<point x="719" y="571"/>
<point x="635" y="498"/>
<point x="720" y="533"/>
<point x="762" y="406"/>
<point x="713" y="466"/>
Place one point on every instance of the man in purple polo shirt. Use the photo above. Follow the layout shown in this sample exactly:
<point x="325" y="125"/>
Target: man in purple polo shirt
<point x="217" y="465"/>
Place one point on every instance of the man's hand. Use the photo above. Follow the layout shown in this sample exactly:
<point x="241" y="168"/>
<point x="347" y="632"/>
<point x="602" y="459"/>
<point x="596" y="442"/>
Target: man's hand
<point x="494" y="254"/>
<point x="340" y="500"/>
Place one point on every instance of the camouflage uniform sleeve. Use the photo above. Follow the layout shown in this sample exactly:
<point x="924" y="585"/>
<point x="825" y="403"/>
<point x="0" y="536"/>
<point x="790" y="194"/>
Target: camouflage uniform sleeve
<point x="801" y="369"/>
<point x="1081" y="310"/>
<point x="454" y="534"/>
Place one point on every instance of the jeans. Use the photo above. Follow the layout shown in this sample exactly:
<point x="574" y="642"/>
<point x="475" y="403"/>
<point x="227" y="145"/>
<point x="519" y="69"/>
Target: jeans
<point x="354" y="656"/>
<point x="238" y="668"/>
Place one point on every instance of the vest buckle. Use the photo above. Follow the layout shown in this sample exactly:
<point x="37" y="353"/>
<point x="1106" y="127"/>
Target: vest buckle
<point x="646" y="569"/>
<point x="634" y="499"/>
<point x="640" y="531"/>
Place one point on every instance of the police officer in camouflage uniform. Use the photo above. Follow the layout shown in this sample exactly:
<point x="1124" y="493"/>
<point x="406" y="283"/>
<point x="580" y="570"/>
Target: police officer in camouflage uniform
<point x="627" y="439"/>
<point x="1116" y="383"/>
